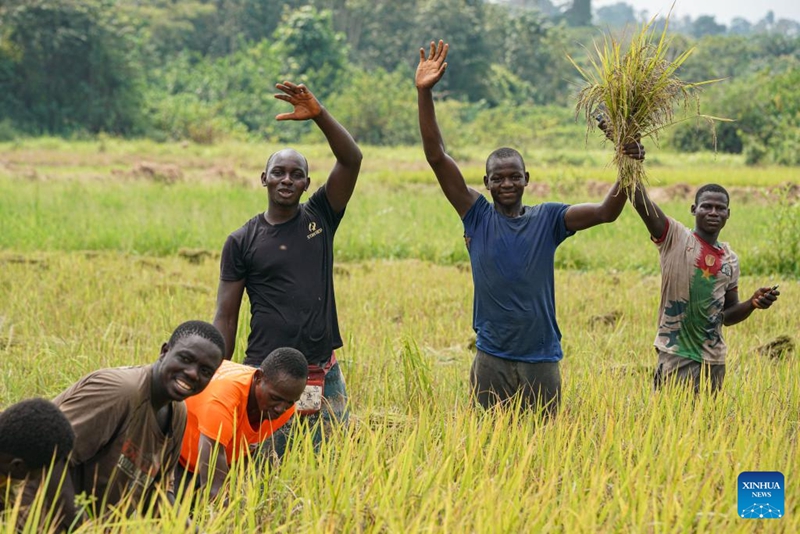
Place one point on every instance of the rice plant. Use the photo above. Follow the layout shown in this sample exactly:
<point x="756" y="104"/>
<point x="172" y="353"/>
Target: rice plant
<point x="634" y="91"/>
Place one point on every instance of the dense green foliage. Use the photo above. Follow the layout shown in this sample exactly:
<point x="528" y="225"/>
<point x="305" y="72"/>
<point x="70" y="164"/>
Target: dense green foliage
<point x="205" y="69"/>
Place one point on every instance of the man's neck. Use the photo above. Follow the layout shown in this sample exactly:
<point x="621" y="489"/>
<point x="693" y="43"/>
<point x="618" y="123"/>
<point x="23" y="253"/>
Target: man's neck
<point x="277" y="214"/>
<point x="511" y="212"/>
<point x="711" y="239"/>
<point x="158" y="396"/>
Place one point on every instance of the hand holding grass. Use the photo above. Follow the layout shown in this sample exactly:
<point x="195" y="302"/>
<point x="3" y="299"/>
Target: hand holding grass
<point x="306" y="105"/>
<point x="634" y="150"/>
<point x="431" y="69"/>
<point x="636" y="90"/>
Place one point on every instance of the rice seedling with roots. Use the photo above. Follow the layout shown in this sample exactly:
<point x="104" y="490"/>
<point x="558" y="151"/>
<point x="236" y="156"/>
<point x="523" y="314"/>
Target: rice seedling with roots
<point x="634" y="92"/>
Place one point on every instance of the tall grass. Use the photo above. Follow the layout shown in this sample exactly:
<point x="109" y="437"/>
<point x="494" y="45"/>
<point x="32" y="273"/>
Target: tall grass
<point x="418" y="456"/>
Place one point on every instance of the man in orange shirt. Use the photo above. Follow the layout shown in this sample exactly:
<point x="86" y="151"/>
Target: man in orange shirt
<point x="240" y="408"/>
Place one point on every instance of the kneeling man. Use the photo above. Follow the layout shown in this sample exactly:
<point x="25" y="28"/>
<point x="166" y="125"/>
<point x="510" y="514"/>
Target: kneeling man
<point x="239" y="410"/>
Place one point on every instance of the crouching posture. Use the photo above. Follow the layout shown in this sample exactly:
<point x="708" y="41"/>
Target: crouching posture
<point x="240" y="409"/>
<point x="34" y="435"/>
<point x="129" y="423"/>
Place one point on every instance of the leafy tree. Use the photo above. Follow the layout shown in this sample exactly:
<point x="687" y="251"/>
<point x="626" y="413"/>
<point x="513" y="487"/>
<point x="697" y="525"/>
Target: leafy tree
<point x="706" y="25"/>
<point x="379" y="107"/>
<point x="579" y="13"/>
<point x="205" y="99"/>
<point x="461" y="23"/>
<point x="382" y="33"/>
<point x="740" y="26"/>
<point x="616" y="15"/>
<point x="66" y="66"/>
<point x="312" y="52"/>
<point x="766" y="109"/>
<point x="534" y="52"/>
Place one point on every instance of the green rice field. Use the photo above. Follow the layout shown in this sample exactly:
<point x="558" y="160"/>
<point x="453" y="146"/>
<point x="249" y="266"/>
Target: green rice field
<point x="106" y="246"/>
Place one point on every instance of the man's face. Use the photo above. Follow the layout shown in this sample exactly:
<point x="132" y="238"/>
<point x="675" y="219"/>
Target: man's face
<point x="187" y="366"/>
<point x="277" y="395"/>
<point x="506" y="180"/>
<point x="286" y="178"/>
<point x="711" y="212"/>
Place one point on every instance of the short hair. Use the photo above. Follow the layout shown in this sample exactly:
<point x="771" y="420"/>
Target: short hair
<point x="34" y="430"/>
<point x="285" y="361"/>
<point x="198" y="328"/>
<point x="272" y="156"/>
<point x="711" y="188"/>
<point x="503" y="153"/>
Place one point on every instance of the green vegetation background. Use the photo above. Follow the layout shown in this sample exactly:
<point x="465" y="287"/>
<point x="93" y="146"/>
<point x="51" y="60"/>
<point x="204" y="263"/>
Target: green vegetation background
<point x="205" y="70"/>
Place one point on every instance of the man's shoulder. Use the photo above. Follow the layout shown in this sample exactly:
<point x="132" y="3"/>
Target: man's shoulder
<point x="248" y="226"/>
<point x="123" y="380"/>
<point x="229" y="385"/>
<point x="550" y="208"/>
<point x="116" y="391"/>
<point x="232" y="372"/>
<point x="726" y="247"/>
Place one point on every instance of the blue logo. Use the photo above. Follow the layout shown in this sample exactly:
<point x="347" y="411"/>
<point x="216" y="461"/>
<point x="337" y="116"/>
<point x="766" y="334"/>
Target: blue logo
<point x="761" y="495"/>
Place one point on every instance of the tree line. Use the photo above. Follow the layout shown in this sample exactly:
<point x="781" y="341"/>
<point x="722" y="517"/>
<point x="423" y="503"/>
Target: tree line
<point x="204" y="70"/>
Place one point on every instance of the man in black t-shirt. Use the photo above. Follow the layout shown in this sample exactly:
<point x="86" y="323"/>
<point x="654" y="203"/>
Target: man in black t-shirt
<point x="284" y="259"/>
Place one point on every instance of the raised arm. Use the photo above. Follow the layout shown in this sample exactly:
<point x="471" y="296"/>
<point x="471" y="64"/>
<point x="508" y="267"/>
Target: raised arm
<point x="583" y="216"/>
<point x="654" y="219"/>
<point x="429" y="71"/>
<point x="342" y="179"/>
<point x="226" y="318"/>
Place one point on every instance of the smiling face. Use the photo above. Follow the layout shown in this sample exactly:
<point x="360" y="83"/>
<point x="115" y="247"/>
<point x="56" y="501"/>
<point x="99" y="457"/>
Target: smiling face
<point x="710" y="213"/>
<point x="277" y="395"/>
<point x="286" y="178"/>
<point x="506" y="179"/>
<point x="187" y="366"/>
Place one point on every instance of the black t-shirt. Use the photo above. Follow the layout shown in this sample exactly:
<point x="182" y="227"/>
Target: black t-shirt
<point x="288" y="274"/>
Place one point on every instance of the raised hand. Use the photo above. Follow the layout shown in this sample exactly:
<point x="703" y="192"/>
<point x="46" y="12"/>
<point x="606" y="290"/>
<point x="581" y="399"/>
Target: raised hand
<point x="306" y="105"/>
<point x="634" y="150"/>
<point x="431" y="69"/>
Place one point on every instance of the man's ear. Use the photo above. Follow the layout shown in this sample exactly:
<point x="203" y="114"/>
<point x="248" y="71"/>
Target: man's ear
<point x="308" y="182"/>
<point x="258" y="376"/>
<point x="486" y="181"/>
<point x="18" y="469"/>
<point x="164" y="350"/>
<point x="264" y="178"/>
<point x="693" y="209"/>
<point x="527" y="177"/>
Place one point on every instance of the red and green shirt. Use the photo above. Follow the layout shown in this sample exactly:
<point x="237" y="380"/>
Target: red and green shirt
<point x="695" y="276"/>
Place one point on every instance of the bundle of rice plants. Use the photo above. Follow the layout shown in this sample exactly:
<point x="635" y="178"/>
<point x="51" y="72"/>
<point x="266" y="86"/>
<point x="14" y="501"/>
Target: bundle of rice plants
<point x="635" y="92"/>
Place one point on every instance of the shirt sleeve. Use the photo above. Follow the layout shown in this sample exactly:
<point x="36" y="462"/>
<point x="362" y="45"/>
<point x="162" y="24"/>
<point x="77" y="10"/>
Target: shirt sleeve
<point x="475" y="215"/>
<point x="558" y="212"/>
<point x="734" y="283"/>
<point x="671" y="230"/>
<point x="215" y="419"/>
<point x="319" y="204"/>
<point x="232" y="265"/>
<point x="98" y="408"/>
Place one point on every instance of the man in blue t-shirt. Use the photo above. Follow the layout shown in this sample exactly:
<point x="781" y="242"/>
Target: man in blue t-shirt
<point x="512" y="249"/>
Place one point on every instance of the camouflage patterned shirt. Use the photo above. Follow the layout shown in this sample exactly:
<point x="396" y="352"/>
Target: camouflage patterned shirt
<point x="695" y="276"/>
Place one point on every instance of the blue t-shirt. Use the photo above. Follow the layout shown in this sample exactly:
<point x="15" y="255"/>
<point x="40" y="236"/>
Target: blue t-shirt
<point x="514" y="309"/>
